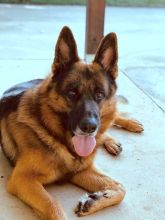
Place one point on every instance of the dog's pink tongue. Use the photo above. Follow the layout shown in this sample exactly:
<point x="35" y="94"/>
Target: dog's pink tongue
<point x="84" y="145"/>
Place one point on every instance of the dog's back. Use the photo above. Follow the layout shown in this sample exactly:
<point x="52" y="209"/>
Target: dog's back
<point x="11" y="97"/>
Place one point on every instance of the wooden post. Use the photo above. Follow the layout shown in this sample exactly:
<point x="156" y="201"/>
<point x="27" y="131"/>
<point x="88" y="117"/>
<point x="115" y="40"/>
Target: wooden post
<point x="95" y="13"/>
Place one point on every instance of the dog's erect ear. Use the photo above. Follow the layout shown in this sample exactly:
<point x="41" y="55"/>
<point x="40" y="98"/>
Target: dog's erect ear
<point x="107" y="54"/>
<point x="65" y="51"/>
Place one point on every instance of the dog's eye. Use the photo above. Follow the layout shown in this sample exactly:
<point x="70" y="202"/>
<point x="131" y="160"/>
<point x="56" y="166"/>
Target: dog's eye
<point x="99" y="96"/>
<point x="72" y="94"/>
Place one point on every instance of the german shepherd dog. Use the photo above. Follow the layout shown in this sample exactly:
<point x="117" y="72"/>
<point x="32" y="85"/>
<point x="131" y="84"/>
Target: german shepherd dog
<point x="51" y="129"/>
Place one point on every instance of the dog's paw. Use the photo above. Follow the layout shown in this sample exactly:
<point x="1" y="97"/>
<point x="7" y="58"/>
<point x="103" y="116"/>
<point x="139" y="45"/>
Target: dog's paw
<point x="90" y="203"/>
<point x="112" y="146"/>
<point x="134" y="126"/>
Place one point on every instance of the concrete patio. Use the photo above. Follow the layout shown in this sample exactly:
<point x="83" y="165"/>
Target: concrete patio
<point x="27" y="39"/>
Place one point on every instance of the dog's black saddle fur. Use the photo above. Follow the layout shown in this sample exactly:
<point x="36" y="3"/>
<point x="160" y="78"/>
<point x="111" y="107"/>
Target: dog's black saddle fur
<point x="11" y="97"/>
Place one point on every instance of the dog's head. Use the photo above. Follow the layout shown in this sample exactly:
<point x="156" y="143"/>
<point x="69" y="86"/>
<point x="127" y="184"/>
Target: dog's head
<point x="85" y="90"/>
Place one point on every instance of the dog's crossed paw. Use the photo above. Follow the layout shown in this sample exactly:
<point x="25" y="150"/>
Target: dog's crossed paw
<point x="89" y="203"/>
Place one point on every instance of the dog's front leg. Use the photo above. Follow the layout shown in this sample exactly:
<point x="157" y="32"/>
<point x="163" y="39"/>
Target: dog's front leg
<point x="128" y="124"/>
<point x="103" y="190"/>
<point x="26" y="187"/>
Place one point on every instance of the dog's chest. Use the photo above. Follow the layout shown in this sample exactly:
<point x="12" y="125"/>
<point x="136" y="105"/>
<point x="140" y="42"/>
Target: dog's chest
<point x="67" y="171"/>
<point x="62" y="169"/>
<point x="74" y="166"/>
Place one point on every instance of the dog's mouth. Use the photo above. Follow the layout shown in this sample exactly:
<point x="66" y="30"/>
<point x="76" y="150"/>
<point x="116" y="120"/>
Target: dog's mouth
<point x="84" y="143"/>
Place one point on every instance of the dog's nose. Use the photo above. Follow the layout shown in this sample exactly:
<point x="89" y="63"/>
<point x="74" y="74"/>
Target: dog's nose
<point x="88" y="125"/>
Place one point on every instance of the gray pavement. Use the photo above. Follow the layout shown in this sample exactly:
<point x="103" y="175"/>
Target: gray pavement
<point x="27" y="40"/>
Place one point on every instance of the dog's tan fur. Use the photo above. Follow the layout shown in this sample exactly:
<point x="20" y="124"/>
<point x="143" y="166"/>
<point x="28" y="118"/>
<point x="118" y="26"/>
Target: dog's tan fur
<point x="41" y="148"/>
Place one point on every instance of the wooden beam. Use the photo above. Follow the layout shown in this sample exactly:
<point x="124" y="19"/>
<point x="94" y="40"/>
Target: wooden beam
<point x="95" y="13"/>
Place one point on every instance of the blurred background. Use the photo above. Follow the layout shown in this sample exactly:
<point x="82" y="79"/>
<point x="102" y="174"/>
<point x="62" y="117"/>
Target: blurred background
<point x="136" y="3"/>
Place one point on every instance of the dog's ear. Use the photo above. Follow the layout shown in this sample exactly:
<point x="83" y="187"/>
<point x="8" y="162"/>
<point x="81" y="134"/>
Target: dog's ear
<point x="65" y="51"/>
<point x="107" y="54"/>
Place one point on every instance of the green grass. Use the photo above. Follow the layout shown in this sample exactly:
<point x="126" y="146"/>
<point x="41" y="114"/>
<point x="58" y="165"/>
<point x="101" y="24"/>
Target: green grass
<point x="142" y="3"/>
